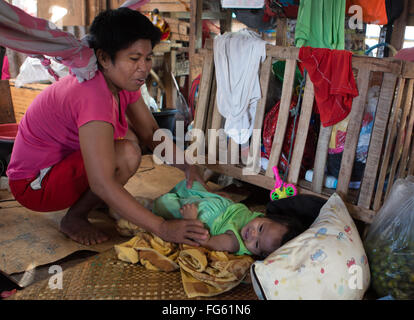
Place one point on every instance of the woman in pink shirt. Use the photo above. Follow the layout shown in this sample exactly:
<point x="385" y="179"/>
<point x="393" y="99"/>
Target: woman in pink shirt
<point x="74" y="148"/>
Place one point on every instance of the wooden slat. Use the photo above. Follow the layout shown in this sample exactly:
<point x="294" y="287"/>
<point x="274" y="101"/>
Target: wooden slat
<point x="6" y="104"/>
<point x="237" y="172"/>
<point x="210" y="109"/>
<point x="407" y="142"/>
<point x="352" y="134"/>
<point x="166" y="6"/>
<point x="283" y="117"/>
<point x="389" y="143"/>
<point x="377" y="65"/>
<point x="282" y="53"/>
<point x="377" y="139"/>
<point x="265" y="72"/>
<point x="407" y="69"/>
<point x="356" y="212"/>
<point x="204" y="91"/>
<point x="400" y="136"/>
<point x="302" y="131"/>
<point x="213" y="132"/>
<point x="411" y="163"/>
<point x="320" y="158"/>
<point x="233" y="152"/>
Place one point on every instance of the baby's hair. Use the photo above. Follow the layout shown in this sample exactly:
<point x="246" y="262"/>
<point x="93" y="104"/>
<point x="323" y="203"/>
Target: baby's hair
<point x="296" y="213"/>
<point x="294" y="226"/>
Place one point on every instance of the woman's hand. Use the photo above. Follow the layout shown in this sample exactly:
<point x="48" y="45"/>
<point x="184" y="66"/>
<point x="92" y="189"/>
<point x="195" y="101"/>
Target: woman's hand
<point x="189" y="232"/>
<point x="192" y="173"/>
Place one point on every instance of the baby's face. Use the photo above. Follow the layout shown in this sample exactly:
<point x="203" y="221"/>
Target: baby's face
<point x="262" y="236"/>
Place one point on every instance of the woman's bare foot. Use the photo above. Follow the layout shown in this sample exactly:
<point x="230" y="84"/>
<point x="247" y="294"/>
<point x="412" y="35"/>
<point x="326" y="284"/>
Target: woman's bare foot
<point x="189" y="211"/>
<point x="81" y="230"/>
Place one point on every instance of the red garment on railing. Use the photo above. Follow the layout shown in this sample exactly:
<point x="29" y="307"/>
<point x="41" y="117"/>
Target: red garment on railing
<point x="333" y="81"/>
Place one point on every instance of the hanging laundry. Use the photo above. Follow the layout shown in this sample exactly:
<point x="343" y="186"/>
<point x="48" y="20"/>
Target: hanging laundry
<point x="405" y="54"/>
<point x="381" y="12"/>
<point x="321" y="24"/>
<point x="38" y="37"/>
<point x="237" y="58"/>
<point x="335" y="87"/>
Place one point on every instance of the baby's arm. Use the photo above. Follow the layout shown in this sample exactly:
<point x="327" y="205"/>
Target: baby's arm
<point x="189" y="211"/>
<point x="222" y="242"/>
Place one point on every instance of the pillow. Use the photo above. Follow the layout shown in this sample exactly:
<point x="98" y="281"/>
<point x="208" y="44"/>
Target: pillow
<point x="327" y="261"/>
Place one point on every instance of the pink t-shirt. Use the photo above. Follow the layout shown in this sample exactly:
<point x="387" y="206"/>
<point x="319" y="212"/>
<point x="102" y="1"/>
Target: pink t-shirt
<point x="49" y="130"/>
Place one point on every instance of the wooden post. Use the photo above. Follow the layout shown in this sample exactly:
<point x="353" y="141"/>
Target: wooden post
<point x="195" y="42"/>
<point x="398" y="32"/>
<point x="6" y="104"/>
<point x="225" y="24"/>
<point x="170" y="89"/>
<point x="281" y="30"/>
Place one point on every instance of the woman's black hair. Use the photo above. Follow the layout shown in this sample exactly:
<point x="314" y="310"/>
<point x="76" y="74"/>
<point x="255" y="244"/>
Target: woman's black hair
<point x="114" y="30"/>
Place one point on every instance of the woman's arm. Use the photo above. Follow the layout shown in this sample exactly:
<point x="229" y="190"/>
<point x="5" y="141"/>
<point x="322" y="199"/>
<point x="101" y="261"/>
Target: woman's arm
<point x="144" y="125"/>
<point x="98" y="152"/>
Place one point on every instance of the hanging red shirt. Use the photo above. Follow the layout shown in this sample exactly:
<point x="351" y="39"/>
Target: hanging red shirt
<point x="333" y="81"/>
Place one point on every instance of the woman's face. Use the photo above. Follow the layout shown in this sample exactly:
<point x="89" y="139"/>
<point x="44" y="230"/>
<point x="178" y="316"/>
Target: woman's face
<point x="130" y="68"/>
<point x="262" y="236"/>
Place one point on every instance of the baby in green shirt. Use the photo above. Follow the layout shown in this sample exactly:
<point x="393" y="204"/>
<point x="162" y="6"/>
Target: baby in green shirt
<point x="233" y="227"/>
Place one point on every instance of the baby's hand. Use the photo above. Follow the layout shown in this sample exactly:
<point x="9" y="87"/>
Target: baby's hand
<point x="189" y="211"/>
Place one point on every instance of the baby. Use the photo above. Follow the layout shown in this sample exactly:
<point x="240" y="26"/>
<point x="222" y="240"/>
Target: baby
<point x="233" y="227"/>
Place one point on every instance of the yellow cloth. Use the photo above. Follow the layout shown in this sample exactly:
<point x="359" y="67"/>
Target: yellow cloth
<point x="151" y="251"/>
<point x="203" y="272"/>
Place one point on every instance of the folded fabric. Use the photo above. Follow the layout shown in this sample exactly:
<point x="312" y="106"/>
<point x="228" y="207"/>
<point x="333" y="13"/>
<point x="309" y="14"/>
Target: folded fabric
<point x="203" y="272"/>
<point x="208" y="273"/>
<point x="334" y="86"/>
<point x="151" y="251"/>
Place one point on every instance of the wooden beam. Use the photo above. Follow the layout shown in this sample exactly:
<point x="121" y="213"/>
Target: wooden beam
<point x="302" y="131"/>
<point x="282" y="120"/>
<point x="206" y="15"/>
<point x="195" y="40"/>
<point x="225" y="24"/>
<point x="354" y="126"/>
<point x="392" y="125"/>
<point x="6" y="104"/>
<point x="398" y="32"/>
<point x="377" y="140"/>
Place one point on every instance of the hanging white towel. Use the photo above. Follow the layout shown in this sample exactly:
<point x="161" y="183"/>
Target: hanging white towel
<point x="237" y="58"/>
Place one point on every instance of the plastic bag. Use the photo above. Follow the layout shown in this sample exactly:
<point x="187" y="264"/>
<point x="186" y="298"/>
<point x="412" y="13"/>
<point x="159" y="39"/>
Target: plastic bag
<point x="390" y="243"/>
<point x="32" y="71"/>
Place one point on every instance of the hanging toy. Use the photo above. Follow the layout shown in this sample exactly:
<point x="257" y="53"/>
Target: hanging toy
<point x="282" y="190"/>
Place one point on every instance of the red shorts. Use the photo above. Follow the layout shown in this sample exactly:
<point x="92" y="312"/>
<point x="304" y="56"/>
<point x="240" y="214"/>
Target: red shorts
<point x="61" y="187"/>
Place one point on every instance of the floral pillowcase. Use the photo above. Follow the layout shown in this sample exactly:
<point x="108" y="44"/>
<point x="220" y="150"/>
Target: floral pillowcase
<point x="326" y="262"/>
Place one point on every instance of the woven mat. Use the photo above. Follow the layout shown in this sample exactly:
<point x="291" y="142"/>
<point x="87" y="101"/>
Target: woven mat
<point x="104" y="277"/>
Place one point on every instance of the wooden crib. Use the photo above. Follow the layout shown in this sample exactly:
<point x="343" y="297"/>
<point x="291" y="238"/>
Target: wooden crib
<point x="391" y="148"/>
